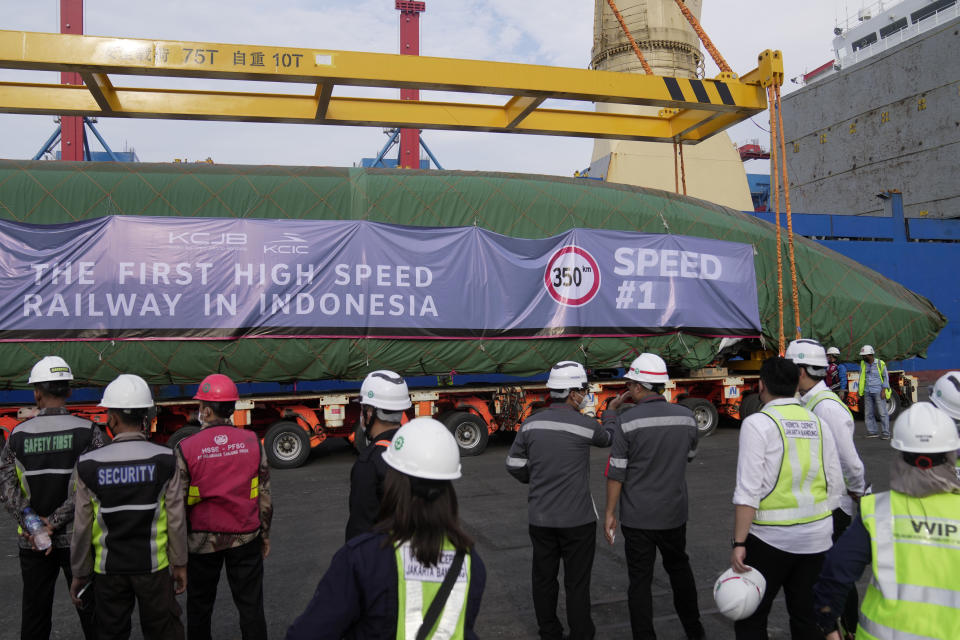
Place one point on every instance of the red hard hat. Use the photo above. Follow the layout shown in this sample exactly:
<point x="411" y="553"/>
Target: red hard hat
<point x="217" y="388"/>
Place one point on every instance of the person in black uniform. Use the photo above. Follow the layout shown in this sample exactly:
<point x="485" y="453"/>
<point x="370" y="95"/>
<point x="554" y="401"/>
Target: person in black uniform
<point x="552" y="453"/>
<point x="45" y="450"/>
<point x="130" y="491"/>
<point x="646" y="475"/>
<point x="383" y="399"/>
<point x="364" y="595"/>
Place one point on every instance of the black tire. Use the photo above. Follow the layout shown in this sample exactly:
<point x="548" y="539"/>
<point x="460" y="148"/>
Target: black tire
<point x="704" y="413"/>
<point x="749" y="405"/>
<point x="180" y="434"/>
<point x="287" y="445"/>
<point x="469" y="430"/>
<point x="894" y="405"/>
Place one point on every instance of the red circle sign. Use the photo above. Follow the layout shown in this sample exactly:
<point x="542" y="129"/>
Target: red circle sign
<point x="572" y="277"/>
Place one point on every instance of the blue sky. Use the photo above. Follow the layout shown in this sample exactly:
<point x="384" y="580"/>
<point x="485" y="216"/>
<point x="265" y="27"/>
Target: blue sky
<point x="551" y="32"/>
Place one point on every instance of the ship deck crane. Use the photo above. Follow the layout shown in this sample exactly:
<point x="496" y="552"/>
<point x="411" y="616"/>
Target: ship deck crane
<point x="691" y="110"/>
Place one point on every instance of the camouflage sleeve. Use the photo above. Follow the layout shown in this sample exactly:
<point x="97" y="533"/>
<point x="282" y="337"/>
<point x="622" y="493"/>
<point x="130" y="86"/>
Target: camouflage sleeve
<point x="176" y="519"/>
<point x="10" y="493"/>
<point x="184" y="472"/>
<point x="64" y="513"/>
<point x="81" y="556"/>
<point x="266" y="499"/>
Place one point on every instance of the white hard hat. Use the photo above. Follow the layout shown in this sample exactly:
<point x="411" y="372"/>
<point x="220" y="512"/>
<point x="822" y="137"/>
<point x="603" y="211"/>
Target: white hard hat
<point x="739" y="594"/>
<point x="833" y="351"/>
<point x="923" y="428"/>
<point x="866" y="350"/>
<point x="567" y="375"/>
<point x="648" y="367"/>
<point x="50" y="369"/>
<point x="424" y="448"/>
<point x="945" y="394"/>
<point x="385" y="390"/>
<point x="127" y="391"/>
<point x="807" y="353"/>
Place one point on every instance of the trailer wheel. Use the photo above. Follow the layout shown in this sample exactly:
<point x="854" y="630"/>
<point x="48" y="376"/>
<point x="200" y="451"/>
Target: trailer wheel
<point x="749" y="405"/>
<point x="180" y="434"/>
<point x="287" y="445"/>
<point x="894" y="404"/>
<point x="704" y="413"/>
<point x="469" y="430"/>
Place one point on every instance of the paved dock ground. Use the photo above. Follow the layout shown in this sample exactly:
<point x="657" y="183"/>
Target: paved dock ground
<point x="311" y="507"/>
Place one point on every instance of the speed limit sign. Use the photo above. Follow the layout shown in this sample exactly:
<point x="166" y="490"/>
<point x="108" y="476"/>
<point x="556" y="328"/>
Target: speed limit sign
<point x="572" y="277"/>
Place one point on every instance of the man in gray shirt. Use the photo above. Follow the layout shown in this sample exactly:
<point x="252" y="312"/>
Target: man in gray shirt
<point x="552" y="454"/>
<point x="646" y="474"/>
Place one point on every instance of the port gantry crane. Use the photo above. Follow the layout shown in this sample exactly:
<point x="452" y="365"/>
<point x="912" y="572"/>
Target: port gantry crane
<point x="691" y="109"/>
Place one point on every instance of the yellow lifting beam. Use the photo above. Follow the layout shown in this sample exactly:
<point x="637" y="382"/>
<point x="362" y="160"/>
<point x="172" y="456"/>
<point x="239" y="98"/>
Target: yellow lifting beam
<point x="691" y="109"/>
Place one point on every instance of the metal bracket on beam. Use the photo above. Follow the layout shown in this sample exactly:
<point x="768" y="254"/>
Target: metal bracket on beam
<point x="102" y="91"/>
<point x="322" y="94"/>
<point x="769" y="71"/>
<point x="519" y="107"/>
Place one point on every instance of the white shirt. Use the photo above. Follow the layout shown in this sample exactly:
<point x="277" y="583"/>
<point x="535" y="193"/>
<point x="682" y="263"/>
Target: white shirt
<point x="841" y="426"/>
<point x="758" y="467"/>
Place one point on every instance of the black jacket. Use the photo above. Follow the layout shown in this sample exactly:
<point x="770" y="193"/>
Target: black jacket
<point x="366" y="485"/>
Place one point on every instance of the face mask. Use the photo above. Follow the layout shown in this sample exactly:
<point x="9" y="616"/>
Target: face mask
<point x="584" y="401"/>
<point x="368" y="423"/>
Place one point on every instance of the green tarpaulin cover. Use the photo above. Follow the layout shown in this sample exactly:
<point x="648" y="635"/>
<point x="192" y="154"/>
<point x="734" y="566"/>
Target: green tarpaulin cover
<point x="841" y="302"/>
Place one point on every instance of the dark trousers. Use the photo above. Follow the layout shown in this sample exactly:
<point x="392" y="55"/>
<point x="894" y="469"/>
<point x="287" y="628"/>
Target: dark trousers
<point x="39" y="573"/>
<point x="575" y="546"/>
<point x="851" y="608"/>
<point x="641" y="549"/>
<point x="245" y="576"/>
<point x="153" y="594"/>
<point x="796" y="573"/>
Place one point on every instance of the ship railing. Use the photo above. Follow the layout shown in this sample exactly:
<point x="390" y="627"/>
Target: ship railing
<point x="910" y="31"/>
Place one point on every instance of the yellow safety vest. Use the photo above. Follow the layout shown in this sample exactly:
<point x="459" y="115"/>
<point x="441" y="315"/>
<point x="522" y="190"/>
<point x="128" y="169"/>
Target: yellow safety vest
<point x="915" y="549"/>
<point x="862" y="382"/>
<point x="418" y="584"/>
<point x="825" y="395"/>
<point x="800" y="494"/>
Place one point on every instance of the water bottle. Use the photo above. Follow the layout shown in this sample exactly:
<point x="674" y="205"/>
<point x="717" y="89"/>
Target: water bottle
<point x="41" y="539"/>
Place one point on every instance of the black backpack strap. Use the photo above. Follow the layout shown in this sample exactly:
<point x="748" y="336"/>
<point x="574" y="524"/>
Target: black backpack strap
<point x="433" y="612"/>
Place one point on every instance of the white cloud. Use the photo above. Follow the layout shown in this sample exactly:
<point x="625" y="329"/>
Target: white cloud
<point x="550" y="32"/>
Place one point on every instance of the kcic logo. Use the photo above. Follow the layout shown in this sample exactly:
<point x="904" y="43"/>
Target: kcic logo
<point x="291" y="243"/>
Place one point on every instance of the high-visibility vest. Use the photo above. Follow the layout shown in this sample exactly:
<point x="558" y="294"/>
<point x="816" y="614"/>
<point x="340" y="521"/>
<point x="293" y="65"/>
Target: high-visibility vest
<point x="224" y="491"/>
<point x="127" y="481"/>
<point x="800" y="494"/>
<point x="915" y="557"/>
<point x="883" y="376"/>
<point x="418" y="584"/>
<point x="826" y="394"/>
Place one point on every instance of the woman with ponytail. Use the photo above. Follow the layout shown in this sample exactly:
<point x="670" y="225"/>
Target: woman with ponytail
<point x="417" y="576"/>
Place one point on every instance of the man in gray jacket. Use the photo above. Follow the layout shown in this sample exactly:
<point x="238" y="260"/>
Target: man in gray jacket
<point x="552" y="454"/>
<point x="646" y="474"/>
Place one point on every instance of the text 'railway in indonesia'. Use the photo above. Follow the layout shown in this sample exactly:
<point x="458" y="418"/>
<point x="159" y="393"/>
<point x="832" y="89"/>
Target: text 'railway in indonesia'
<point x="132" y="277"/>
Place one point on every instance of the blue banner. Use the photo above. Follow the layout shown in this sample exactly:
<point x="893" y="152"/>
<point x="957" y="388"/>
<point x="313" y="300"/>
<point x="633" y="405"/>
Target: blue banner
<point x="206" y="278"/>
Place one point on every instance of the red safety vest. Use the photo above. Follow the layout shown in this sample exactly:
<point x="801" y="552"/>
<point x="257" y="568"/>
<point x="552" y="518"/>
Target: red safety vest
<point x="224" y="465"/>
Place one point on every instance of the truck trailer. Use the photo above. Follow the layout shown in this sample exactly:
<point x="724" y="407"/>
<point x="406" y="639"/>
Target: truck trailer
<point x="296" y="281"/>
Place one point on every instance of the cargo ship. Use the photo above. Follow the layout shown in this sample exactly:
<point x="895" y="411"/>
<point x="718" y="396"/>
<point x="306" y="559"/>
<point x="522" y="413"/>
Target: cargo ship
<point x="871" y="141"/>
